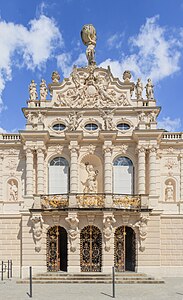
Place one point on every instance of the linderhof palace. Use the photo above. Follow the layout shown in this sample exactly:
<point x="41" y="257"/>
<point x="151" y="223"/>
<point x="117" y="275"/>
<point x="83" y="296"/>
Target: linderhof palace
<point x="91" y="182"/>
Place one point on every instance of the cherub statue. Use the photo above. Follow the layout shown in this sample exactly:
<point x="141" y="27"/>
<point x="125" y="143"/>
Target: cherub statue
<point x="107" y="116"/>
<point x="73" y="120"/>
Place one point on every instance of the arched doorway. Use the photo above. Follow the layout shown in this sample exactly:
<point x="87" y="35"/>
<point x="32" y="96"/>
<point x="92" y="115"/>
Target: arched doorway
<point x="91" y="249"/>
<point x="57" y="249"/>
<point x="123" y="176"/>
<point x="124" y="249"/>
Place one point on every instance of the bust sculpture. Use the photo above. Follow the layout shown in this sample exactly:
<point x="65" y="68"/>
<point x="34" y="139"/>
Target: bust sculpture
<point x="88" y="36"/>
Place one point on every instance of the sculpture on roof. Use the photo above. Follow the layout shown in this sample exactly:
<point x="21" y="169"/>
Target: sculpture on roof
<point x="32" y="91"/>
<point x="43" y="90"/>
<point x="88" y="36"/>
<point x="139" y="89"/>
<point x="149" y="89"/>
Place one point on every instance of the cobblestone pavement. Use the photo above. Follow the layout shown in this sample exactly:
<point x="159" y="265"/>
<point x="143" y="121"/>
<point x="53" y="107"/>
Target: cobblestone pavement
<point x="171" y="290"/>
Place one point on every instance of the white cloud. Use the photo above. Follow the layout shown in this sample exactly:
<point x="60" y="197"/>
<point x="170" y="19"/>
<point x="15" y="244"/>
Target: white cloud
<point x="154" y="53"/>
<point x="115" y="40"/>
<point x="169" y="124"/>
<point x="65" y="63"/>
<point x="2" y="130"/>
<point x="28" y="47"/>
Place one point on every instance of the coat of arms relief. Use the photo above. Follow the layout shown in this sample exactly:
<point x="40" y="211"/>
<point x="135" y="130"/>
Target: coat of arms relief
<point x="90" y="87"/>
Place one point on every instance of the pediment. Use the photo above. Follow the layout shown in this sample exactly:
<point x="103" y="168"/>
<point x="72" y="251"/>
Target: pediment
<point x="91" y="87"/>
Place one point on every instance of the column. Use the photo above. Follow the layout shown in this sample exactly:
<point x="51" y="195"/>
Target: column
<point x="29" y="172"/>
<point x="107" y="168"/>
<point x="74" y="167"/>
<point x="1" y="176"/>
<point x="181" y="177"/>
<point x="152" y="170"/>
<point x="141" y="169"/>
<point x="40" y="171"/>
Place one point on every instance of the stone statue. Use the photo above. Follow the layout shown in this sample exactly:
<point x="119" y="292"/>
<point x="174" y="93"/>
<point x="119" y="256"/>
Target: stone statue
<point x="13" y="192"/>
<point x="152" y="117"/>
<point x="141" y="225"/>
<point x="32" y="91"/>
<point x="40" y="117"/>
<point x="55" y="77"/>
<point x="142" y="116"/>
<point x="107" y="231"/>
<point x="139" y="89"/>
<point x="108" y="119"/>
<point x="37" y="230"/>
<point x="149" y="89"/>
<point x="43" y="90"/>
<point x="91" y="182"/>
<point x="75" y="77"/>
<point x="73" y="231"/>
<point x="169" y="190"/>
<point x="29" y="118"/>
<point x="88" y="36"/>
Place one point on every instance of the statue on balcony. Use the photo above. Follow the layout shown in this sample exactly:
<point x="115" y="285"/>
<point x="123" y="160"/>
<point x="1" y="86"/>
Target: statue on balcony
<point x="32" y="91"/>
<point x="91" y="182"/>
<point x="169" y="190"/>
<point x="43" y="90"/>
<point x="149" y="89"/>
<point x="139" y="89"/>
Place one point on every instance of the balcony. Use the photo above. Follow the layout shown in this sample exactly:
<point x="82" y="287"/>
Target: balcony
<point x="93" y="201"/>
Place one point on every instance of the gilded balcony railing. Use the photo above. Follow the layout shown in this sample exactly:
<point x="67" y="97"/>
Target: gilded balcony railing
<point x="126" y="201"/>
<point x="54" y="201"/>
<point x="118" y="201"/>
<point x="90" y="200"/>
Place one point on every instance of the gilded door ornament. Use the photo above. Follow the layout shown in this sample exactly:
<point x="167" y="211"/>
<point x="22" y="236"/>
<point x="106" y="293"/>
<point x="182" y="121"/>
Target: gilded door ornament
<point x="52" y="249"/>
<point x="91" y="249"/>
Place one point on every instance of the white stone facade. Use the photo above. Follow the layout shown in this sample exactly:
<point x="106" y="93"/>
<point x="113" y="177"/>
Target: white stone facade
<point x="96" y="144"/>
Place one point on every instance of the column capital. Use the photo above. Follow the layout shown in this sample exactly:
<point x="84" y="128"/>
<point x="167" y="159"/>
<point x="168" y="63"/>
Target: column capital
<point x="73" y="148"/>
<point x="107" y="148"/>
<point x="141" y="149"/>
<point x="153" y="149"/>
<point x="40" y="150"/>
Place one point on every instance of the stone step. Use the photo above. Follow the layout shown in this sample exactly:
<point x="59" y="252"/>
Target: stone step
<point x="129" y="281"/>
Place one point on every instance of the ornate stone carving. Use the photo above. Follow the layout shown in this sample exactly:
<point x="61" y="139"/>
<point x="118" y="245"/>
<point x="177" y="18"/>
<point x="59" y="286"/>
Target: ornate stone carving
<point x="108" y="222"/>
<point x="37" y="230"/>
<point x="91" y="149"/>
<point x="59" y="149"/>
<point x="29" y="118"/>
<point x="32" y="91"/>
<point x="126" y="202"/>
<point x="141" y="149"/>
<point x="40" y="117"/>
<point x="123" y="148"/>
<point x="54" y="201"/>
<point x="170" y="163"/>
<point x="127" y="76"/>
<point x="73" y="120"/>
<point x="13" y="191"/>
<point x="43" y="90"/>
<point x="149" y="89"/>
<point x="11" y="164"/>
<point x="90" y="186"/>
<point x="90" y="90"/>
<point x="88" y="36"/>
<point x="139" y="89"/>
<point x="90" y="201"/>
<point x="55" y="77"/>
<point x="108" y="148"/>
<point x="169" y="192"/>
<point x="142" y="117"/>
<point x="107" y="116"/>
<point x="141" y="226"/>
<point x="73" y="231"/>
<point x="152" y="117"/>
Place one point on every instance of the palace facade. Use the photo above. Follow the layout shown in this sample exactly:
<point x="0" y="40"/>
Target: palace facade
<point x="91" y="182"/>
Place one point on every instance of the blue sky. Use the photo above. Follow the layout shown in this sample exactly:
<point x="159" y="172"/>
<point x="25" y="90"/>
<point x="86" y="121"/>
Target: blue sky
<point x="37" y="37"/>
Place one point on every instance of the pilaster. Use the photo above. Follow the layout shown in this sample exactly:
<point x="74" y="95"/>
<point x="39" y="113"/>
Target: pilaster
<point x="152" y="170"/>
<point x="29" y="171"/>
<point x="141" y="169"/>
<point x="40" y="170"/>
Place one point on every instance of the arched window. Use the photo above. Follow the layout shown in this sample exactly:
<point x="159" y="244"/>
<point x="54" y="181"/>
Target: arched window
<point x="58" y="176"/>
<point x="123" y="176"/>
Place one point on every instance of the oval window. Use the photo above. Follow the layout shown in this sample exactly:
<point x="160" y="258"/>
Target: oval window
<point x="123" y="126"/>
<point x="59" y="127"/>
<point x="91" y="126"/>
